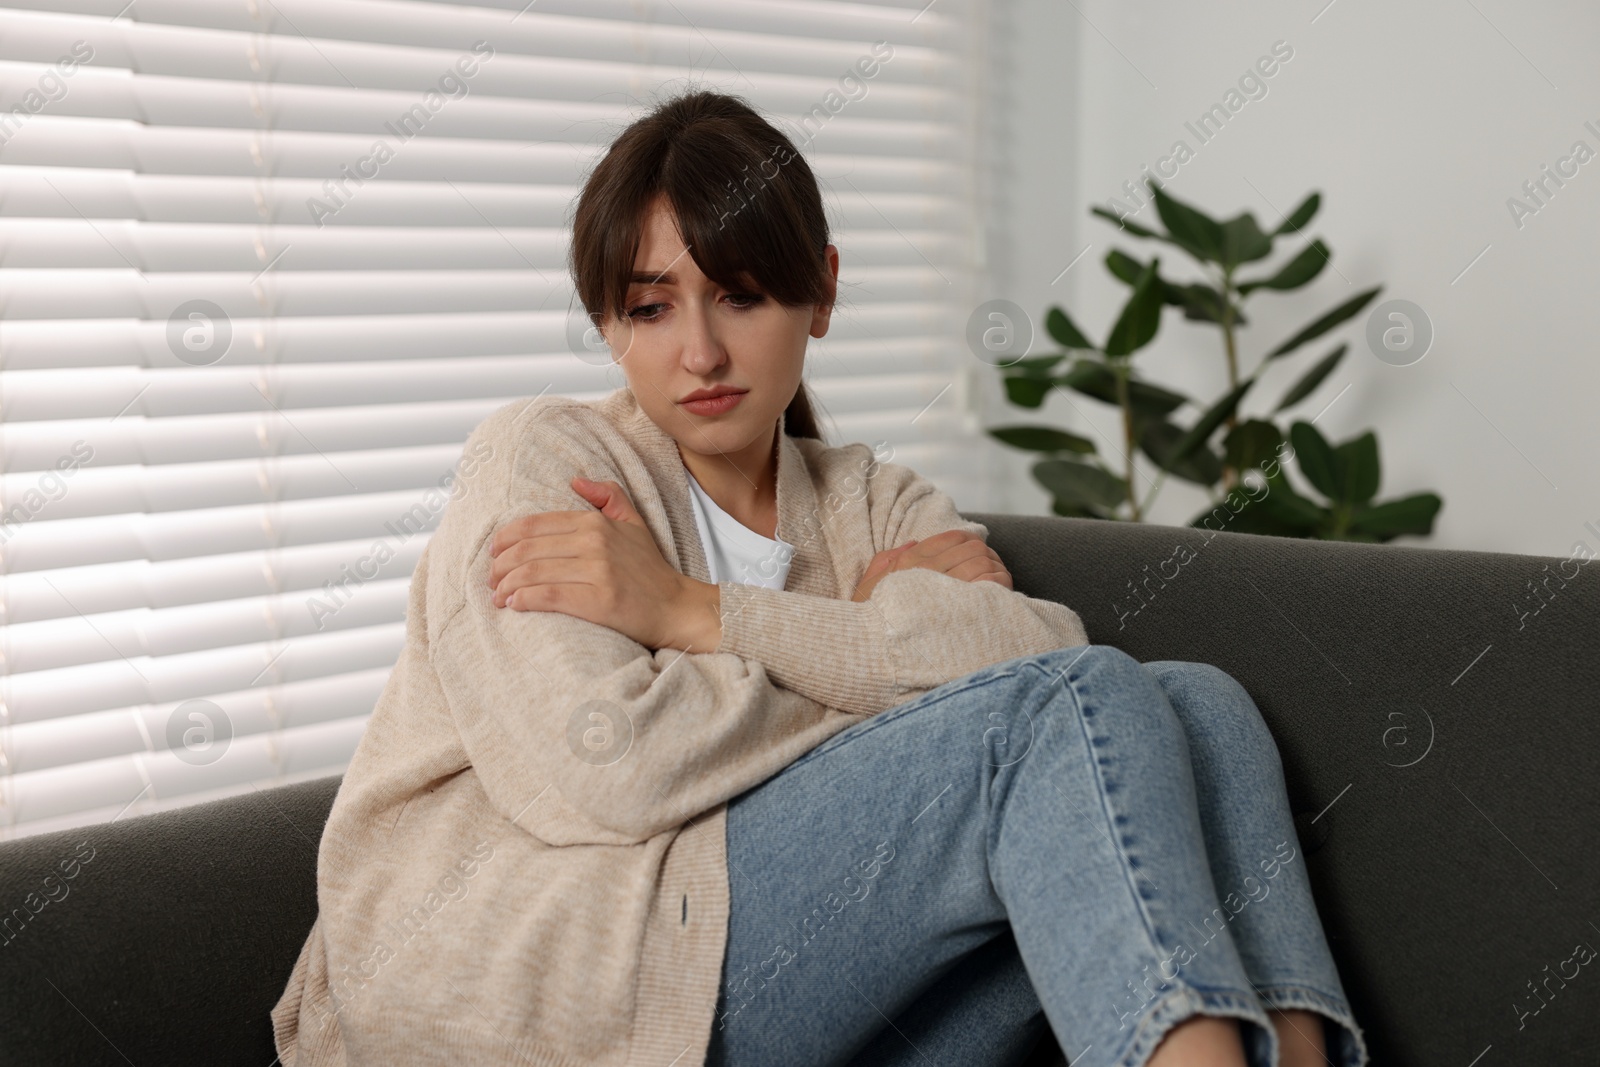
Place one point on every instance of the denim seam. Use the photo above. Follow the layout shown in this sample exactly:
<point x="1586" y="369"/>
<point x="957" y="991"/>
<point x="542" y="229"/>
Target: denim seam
<point x="1105" y="802"/>
<point x="1293" y="988"/>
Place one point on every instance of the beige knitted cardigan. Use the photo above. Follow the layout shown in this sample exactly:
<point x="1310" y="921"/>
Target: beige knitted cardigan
<point x="525" y="863"/>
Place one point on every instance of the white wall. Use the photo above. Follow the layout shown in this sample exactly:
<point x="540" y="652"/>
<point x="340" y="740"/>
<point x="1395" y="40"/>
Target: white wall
<point x="1417" y="123"/>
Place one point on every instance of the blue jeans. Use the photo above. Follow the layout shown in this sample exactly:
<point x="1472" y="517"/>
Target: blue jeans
<point x="1071" y="839"/>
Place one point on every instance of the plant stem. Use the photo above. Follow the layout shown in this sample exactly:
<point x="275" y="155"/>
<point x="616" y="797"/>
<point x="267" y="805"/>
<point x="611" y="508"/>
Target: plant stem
<point x="1231" y="347"/>
<point x="1121" y="371"/>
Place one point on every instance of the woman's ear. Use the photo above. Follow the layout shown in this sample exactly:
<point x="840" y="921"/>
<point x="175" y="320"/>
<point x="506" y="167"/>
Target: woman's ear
<point x="823" y="313"/>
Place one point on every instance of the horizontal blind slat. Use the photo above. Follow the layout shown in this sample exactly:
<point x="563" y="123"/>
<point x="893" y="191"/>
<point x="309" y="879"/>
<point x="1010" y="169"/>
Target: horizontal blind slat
<point x="115" y="784"/>
<point x="58" y="692"/>
<point x="38" y="746"/>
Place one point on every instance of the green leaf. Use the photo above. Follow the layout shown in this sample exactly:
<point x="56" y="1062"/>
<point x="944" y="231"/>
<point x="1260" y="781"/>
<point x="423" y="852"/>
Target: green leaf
<point x="1080" y="483"/>
<point x="1201" y="303"/>
<point x="1147" y="399"/>
<point x="1264" y="516"/>
<point x="1295" y="273"/>
<point x="1132" y="227"/>
<point x="1062" y="329"/>
<point x="1251" y="443"/>
<point x="1035" y="366"/>
<point x="1278" y="510"/>
<point x="1027" y="392"/>
<point x="1311" y="379"/>
<point x="1041" y="439"/>
<point x="1192" y="230"/>
<point x="1243" y="241"/>
<point x="1344" y="311"/>
<point x="1207" y="423"/>
<point x="1123" y="267"/>
<point x="1197" y="300"/>
<point x="1300" y="215"/>
<point x="1141" y="315"/>
<point x="1357" y="468"/>
<point x="1258" y="519"/>
<point x="1094" y="379"/>
<point x="1408" y="515"/>
<point x="1315" y="457"/>
<point x="1294" y="510"/>
<point x="1078" y="511"/>
<point x="1201" y="466"/>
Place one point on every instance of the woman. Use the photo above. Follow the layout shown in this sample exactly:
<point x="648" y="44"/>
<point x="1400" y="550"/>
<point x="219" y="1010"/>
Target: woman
<point x="889" y="811"/>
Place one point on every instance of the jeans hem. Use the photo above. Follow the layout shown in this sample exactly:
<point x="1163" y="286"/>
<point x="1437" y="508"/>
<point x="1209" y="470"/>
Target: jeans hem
<point x="1352" y="1045"/>
<point x="1184" y="1003"/>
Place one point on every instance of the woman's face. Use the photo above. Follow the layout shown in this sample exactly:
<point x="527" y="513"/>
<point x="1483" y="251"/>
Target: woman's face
<point x="684" y="334"/>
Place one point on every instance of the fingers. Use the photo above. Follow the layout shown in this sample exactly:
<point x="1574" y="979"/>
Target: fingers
<point x="940" y="553"/>
<point x="609" y="497"/>
<point x="930" y="547"/>
<point x="533" y="584"/>
<point x="540" y="524"/>
<point x="959" y="554"/>
<point x="981" y="569"/>
<point x="584" y="541"/>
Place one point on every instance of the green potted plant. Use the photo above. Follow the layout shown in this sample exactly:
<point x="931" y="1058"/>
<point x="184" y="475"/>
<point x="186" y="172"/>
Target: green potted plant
<point x="1219" y="446"/>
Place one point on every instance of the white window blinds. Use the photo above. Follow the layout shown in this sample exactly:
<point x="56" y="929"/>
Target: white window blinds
<point x="265" y="263"/>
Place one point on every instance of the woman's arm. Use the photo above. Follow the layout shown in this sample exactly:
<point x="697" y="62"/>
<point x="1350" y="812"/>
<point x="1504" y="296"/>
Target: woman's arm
<point x="918" y="630"/>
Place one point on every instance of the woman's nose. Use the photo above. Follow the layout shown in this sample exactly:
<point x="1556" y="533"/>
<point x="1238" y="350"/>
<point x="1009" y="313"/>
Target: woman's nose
<point x="702" y="349"/>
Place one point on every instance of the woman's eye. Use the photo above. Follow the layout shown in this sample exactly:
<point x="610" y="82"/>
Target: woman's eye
<point x="646" y="312"/>
<point x="745" y="300"/>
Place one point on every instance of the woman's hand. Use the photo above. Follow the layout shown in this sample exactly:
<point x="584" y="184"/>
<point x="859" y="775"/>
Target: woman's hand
<point x="603" y="566"/>
<point x="957" y="553"/>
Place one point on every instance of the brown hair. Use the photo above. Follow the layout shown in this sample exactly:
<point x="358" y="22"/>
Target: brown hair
<point x="747" y="205"/>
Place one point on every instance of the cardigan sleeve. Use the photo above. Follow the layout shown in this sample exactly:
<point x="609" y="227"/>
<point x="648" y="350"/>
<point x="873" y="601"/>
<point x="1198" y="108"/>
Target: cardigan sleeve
<point x="579" y="733"/>
<point x="918" y="630"/>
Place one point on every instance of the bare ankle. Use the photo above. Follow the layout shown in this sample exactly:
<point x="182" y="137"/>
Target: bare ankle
<point x="1201" y="1041"/>
<point x="1300" y="1039"/>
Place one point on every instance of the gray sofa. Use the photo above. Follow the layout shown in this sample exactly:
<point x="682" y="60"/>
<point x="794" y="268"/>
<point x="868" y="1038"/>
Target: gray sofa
<point x="1439" y="737"/>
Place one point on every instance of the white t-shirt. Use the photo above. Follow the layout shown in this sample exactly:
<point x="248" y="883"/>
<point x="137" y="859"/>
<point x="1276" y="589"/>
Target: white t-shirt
<point x="734" y="552"/>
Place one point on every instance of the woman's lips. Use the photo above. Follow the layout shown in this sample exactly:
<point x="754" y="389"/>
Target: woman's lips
<point x="715" y="405"/>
